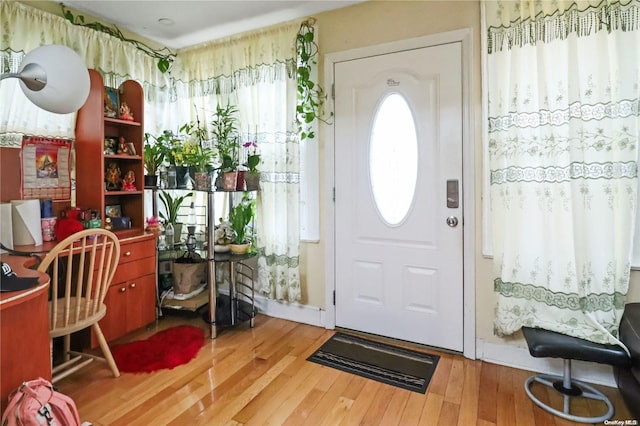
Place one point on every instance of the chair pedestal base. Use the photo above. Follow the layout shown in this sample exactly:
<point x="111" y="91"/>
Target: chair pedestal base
<point x="569" y="389"/>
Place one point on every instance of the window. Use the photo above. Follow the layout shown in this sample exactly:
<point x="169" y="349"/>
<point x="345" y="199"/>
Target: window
<point x="393" y="160"/>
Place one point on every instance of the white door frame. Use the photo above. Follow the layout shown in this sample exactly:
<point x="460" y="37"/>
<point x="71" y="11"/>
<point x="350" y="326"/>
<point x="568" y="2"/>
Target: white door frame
<point x="468" y="159"/>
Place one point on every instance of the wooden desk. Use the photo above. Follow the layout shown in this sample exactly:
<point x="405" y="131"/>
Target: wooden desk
<point x="24" y="330"/>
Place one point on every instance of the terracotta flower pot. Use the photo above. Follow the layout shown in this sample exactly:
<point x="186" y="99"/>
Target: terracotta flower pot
<point x="230" y="181"/>
<point x="201" y="181"/>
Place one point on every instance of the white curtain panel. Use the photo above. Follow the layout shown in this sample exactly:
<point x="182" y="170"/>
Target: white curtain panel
<point x="257" y="73"/>
<point x="23" y="29"/>
<point x="563" y="106"/>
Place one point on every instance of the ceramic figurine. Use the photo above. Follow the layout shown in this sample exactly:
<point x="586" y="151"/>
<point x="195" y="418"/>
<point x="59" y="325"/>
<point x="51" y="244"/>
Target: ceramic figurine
<point x="129" y="180"/>
<point x="112" y="177"/>
<point x="122" y="146"/>
<point x="125" y="112"/>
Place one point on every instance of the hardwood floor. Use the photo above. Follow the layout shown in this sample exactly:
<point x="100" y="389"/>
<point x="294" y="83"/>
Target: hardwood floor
<point x="260" y="376"/>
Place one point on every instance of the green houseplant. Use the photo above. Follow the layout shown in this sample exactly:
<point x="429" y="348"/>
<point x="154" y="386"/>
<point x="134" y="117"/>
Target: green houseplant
<point x="311" y="95"/>
<point x="252" y="176"/>
<point x="224" y="128"/>
<point x="197" y="156"/>
<point x="153" y="158"/>
<point x="225" y="134"/>
<point x="240" y="217"/>
<point x="172" y="206"/>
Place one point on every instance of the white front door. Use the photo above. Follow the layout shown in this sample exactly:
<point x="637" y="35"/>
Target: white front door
<point x="398" y="195"/>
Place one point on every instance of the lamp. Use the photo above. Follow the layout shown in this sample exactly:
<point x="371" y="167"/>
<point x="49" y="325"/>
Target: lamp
<point x="54" y="78"/>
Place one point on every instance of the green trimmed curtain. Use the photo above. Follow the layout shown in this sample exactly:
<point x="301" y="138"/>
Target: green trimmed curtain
<point x="23" y="29"/>
<point x="563" y="83"/>
<point x="257" y="73"/>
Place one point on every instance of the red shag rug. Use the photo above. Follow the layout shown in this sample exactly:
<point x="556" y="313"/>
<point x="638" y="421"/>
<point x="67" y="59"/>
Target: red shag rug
<point x="164" y="350"/>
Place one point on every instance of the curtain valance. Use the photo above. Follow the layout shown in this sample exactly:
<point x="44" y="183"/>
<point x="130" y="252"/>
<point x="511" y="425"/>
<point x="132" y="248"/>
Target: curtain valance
<point x="526" y="23"/>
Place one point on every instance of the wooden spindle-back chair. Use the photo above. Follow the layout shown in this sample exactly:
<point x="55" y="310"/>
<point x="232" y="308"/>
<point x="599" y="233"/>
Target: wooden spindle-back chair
<point x="81" y="268"/>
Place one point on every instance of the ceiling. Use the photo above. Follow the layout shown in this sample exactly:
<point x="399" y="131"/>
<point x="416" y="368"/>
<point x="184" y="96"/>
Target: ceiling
<point x="177" y="24"/>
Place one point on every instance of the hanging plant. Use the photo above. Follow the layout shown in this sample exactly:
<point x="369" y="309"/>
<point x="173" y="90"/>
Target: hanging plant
<point x="164" y="56"/>
<point x="311" y="96"/>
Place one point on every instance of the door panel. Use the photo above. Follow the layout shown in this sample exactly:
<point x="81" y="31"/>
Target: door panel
<point x="400" y="278"/>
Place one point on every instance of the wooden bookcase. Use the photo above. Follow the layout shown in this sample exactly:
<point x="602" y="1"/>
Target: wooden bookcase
<point x="92" y="127"/>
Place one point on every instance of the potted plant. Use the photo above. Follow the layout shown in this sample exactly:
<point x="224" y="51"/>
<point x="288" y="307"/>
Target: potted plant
<point x="197" y="156"/>
<point x="240" y="217"/>
<point x="171" y="207"/>
<point x="252" y="176"/>
<point x="176" y="161"/>
<point x="225" y="134"/>
<point x="153" y="158"/>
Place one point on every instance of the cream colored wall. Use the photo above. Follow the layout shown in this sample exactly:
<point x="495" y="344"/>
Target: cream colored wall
<point x="53" y="6"/>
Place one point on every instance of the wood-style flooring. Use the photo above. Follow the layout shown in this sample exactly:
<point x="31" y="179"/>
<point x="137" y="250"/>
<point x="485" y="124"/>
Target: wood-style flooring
<point x="260" y="376"/>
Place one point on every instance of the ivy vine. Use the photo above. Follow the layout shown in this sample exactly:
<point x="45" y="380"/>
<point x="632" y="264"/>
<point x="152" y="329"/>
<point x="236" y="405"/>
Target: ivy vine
<point x="164" y="56"/>
<point x="311" y="96"/>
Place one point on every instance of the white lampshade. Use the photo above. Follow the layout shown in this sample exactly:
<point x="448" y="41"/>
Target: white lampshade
<point x="65" y="77"/>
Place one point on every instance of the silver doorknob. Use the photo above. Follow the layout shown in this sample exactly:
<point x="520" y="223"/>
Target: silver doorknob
<point x="452" y="221"/>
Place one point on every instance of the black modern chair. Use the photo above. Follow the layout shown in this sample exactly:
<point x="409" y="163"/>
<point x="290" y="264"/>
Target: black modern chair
<point x="548" y="344"/>
<point x="628" y="380"/>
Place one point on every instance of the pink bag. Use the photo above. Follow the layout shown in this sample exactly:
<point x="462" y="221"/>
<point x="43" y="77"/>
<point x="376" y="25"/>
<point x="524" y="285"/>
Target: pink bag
<point x="36" y="403"/>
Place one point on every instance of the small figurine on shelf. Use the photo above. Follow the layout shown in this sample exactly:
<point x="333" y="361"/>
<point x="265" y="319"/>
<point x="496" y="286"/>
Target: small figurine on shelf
<point x="123" y="148"/>
<point x="112" y="177"/>
<point x="223" y="235"/>
<point x="109" y="146"/>
<point x="129" y="181"/>
<point x="125" y="112"/>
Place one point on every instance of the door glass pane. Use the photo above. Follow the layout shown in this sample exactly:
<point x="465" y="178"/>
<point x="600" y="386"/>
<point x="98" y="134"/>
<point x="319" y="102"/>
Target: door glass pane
<point x="393" y="158"/>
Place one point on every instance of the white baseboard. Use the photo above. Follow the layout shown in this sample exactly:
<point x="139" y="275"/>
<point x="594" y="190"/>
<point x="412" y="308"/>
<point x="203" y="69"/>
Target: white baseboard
<point x="519" y="357"/>
<point x="305" y="314"/>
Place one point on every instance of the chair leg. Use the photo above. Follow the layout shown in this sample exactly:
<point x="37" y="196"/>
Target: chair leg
<point x="569" y="388"/>
<point x="67" y="347"/>
<point x="105" y="350"/>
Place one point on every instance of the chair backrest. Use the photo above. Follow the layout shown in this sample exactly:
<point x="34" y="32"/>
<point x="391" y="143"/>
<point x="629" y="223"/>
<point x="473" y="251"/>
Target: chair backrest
<point x="81" y="268"/>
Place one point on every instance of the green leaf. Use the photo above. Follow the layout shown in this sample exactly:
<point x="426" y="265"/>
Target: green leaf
<point x="163" y="65"/>
<point x="309" y="117"/>
<point x="308" y="37"/>
<point x="68" y="16"/>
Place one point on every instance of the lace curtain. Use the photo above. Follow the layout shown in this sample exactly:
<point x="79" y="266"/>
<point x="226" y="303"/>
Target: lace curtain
<point x="255" y="71"/>
<point x="563" y="89"/>
<point x="23" y="29"/>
